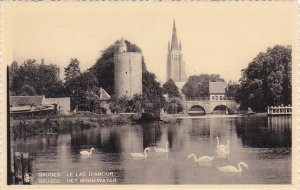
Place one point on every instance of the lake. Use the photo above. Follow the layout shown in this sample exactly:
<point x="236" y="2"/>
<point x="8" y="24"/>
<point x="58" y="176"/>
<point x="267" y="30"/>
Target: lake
<point x="263" y="143"/>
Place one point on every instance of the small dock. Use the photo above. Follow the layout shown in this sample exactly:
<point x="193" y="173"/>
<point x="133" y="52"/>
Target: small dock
<point x="279" y="110"/>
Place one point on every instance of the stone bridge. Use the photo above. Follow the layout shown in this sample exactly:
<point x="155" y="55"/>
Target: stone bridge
<point x="208" y="106"/>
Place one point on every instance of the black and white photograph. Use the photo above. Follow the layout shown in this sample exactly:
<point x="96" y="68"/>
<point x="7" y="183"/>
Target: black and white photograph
<point x="150" y="93"/>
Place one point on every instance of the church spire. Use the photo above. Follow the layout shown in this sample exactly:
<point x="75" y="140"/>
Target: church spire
<point x="174" y="43"/>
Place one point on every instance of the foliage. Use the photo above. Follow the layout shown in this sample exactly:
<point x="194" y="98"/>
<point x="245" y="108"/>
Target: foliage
<point x="171" y="89"/>
<point x="232" y="89"/>
<point x="267" y="79"/>
<point x="34" y="78"/>
<point x="27" y="90"/>
<point x="153" y="99"/>
<point x="73" y="70"/>
<point x="173" y="106"/>
<point x="198" y="85"/>
<point x="33" y="127"/>
<point x="84" y="92"/>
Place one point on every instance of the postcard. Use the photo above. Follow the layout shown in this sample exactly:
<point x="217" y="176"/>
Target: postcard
<point x="142" y="95"/>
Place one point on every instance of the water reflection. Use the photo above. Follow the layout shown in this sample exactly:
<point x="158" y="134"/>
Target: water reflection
<point x="262" y="132"/>
<point x="263" y="143"/>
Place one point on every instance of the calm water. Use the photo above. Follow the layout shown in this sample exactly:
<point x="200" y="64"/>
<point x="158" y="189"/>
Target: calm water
<point x="263" y="143"/>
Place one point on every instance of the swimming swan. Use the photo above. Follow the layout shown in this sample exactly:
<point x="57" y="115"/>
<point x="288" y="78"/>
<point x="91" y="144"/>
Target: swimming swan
<point x="223" y="152"/>
<point x="162" y="150"/>
<point x="233" y="170"/>
<point x="140" y="155"/>
<point x="219" y="146"/>
<point x="87" y="153"/>
<point x="202" y="158"/>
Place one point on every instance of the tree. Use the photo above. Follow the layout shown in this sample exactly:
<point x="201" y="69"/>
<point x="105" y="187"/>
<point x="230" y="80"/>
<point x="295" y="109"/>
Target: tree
<point x="40" y="77"/>
<point x="267" y="79"/>
<point x="73" y="70"/>
<point x="232" y="89"/>
<point x="84" y="91"/>
<point x="171" y="89"/>
<point x="153" y="99"/>
<point x="13" y="72"/>
<point x="198" y="85"/>
<point x="27" y="90"/>
<point x="173" y="106"/>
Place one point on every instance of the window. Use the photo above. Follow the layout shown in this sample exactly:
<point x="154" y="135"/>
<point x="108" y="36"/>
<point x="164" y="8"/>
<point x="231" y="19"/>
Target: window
<point x="217" y="97"/>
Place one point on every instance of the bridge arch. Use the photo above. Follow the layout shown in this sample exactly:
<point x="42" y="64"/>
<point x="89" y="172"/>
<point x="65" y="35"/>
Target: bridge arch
<point x="196" y="109"/>
<point x="221" y="109"/>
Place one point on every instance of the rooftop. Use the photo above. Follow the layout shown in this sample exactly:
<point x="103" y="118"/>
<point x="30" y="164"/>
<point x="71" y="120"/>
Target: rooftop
<point x="217" y="87"/>
<point x="26" y="100"/>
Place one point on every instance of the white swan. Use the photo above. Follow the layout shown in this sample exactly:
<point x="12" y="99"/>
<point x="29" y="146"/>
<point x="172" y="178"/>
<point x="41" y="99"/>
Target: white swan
<point x="162" y="150"/>
<point x="233" y="170"/>
<point x="219" y="146"/>
<point x="87" y="153"/>
<point x="223" y="152"/>
<point x="202" y="158"/>
<point x="140" y="155"/>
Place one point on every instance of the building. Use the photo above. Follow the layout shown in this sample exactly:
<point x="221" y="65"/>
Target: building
<point x="217" y="90"/>
<point x="31" y="105"/>
<point x="24" y="102"/>
<point x="104" y="101"/>
<point x="127" y="71"/>
<point x="63" y="104"/>
<point x="175" y="63"/>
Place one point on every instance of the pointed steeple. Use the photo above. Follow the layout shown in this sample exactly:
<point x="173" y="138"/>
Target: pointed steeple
<point x="174" y="42"/>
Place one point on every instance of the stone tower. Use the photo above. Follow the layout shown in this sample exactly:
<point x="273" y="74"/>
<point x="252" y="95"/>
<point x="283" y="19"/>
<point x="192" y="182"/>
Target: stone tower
<point x="175" y="63"/>
<point x="127" y="71"/>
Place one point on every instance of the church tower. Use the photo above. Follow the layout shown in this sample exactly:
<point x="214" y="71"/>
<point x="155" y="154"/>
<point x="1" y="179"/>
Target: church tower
<point x="175" y="63"/>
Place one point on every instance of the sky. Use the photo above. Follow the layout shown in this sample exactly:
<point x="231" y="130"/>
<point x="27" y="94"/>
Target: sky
<point x="220" y="38"/>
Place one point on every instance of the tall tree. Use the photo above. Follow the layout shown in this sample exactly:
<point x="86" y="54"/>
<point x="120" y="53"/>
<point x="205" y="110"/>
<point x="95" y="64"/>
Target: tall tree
<point x="232" y="89"/>
<point x="40" y="78"/>
<point x="267" y="79"/>
<point x="72" y="71"/>
<point x="171" y="89"/>
<point x="198" y="85"/>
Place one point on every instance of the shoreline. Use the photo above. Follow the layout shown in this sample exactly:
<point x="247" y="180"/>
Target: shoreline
<point x="184" y="116"/>
<point x="29" y="127"/>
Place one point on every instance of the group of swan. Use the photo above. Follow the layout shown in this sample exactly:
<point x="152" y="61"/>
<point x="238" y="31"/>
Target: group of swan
<point x="144" y="156"/>
<point x="222" y="151"/>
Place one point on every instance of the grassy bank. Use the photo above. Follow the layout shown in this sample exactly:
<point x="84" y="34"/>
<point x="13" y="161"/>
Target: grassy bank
<point x="34" y="127"/>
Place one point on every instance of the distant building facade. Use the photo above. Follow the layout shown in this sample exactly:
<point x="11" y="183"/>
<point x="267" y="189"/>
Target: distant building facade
<point x="127" y="71"/>
<point x="175" y="63"/>
<point x="217" y="90"/>
<point x="31" y="105"/>
<point x="63" y="104"/>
